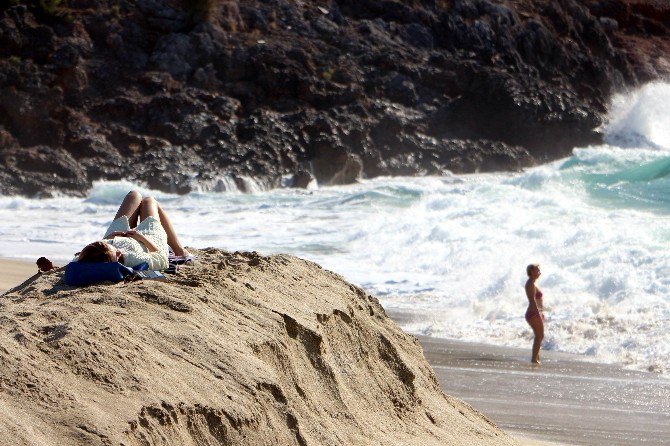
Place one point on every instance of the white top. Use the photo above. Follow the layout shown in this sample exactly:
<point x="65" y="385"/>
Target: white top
<point x="135" y="252"/>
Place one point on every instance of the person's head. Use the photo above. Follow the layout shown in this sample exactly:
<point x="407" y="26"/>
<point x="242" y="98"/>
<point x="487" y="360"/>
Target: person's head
<point x="533" y="270"/>
<point x="99" y="252"/>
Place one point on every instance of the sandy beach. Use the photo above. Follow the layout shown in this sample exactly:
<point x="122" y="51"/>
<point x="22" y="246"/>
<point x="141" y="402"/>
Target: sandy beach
<point x="15" y="272"/>
<point x="237" y="349"/>
<point x="566" y="401"/>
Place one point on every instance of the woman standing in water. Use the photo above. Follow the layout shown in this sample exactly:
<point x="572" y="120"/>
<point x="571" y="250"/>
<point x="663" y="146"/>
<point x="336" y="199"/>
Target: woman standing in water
<point x="534" y="313"/>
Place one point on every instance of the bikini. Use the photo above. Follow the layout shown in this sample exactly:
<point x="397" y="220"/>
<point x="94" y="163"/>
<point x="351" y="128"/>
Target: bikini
<point x="531" y="314"/>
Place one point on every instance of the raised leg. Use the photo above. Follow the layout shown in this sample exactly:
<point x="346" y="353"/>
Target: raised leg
<point x="130" y="206"/>
<point x="148" y="207"/>
<point x="151" y="207"/>
<point x="173" y="240"/>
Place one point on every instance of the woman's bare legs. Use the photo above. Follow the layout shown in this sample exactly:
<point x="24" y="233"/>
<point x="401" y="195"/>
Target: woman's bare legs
<point x="151" y="207"/>
<point x="537" y="324"/>
<point x="130" y="207"/>
<point x="173" y="240"/>
<point x="148" y="208"/>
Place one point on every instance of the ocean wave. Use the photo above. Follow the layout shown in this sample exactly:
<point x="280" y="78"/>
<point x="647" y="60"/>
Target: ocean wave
<point x="640" y="118"/>
<point x="451" y="250"/>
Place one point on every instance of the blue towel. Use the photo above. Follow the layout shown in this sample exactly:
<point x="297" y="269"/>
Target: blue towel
<point x="82" y="274"/>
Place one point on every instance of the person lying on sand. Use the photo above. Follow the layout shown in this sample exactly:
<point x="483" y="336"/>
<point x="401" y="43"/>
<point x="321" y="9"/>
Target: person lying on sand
<point x="130" y="243"/>
<point x="535" y="311"/>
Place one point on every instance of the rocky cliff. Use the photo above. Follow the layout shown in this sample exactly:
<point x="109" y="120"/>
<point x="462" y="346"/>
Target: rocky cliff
<point x="238" y="350"/>
<point x="180" y="94"/>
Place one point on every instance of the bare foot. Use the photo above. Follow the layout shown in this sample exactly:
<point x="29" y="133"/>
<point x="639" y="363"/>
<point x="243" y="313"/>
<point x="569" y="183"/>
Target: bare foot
<point x="181" y="252"/>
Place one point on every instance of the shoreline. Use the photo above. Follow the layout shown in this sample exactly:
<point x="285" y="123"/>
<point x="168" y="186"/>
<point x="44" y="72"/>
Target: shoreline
<point x="564" y="402"/>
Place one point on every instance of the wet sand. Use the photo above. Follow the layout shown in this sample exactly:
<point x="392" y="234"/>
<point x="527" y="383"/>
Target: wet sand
<point x="14" y="272"/>
<point x="566" y="400"/>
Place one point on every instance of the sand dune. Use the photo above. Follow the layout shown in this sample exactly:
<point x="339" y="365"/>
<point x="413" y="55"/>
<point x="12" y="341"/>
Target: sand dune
<point x="241" y="349"/>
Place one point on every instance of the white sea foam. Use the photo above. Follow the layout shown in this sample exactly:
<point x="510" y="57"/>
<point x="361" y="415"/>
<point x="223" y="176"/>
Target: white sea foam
<point x="452" y="251"/>
<point x="641" y="117"/>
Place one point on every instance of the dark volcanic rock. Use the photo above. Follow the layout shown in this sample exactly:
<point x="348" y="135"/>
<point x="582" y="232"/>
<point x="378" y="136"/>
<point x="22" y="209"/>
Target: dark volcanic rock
<point x="301" y="179"/>
<point x="40" y="171"/>
<point x="179" y="94"/>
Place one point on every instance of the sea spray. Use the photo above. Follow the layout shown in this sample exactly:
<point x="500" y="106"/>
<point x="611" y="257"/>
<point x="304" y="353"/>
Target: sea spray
<point x="640" y="118"/>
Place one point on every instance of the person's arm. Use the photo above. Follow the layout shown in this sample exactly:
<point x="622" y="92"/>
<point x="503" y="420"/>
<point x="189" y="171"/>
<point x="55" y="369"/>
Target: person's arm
<point x="156" y="260"/>
<point x="530" y="294"/>
<point x="111" y="235"/>
<point x="142" y="239"/>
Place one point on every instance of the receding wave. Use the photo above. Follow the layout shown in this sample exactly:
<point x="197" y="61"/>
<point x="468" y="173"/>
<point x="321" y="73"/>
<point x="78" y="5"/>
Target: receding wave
<point x="648" y="172"/>
<point x="613" y="177"/>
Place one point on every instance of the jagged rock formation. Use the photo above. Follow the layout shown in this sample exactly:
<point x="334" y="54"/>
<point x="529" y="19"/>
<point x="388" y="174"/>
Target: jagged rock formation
<point x="239" y="350"/>
<point x="200" y="93"/>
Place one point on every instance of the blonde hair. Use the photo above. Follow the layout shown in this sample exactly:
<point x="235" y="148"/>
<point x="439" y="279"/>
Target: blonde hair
<point x="530" y="267"/>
